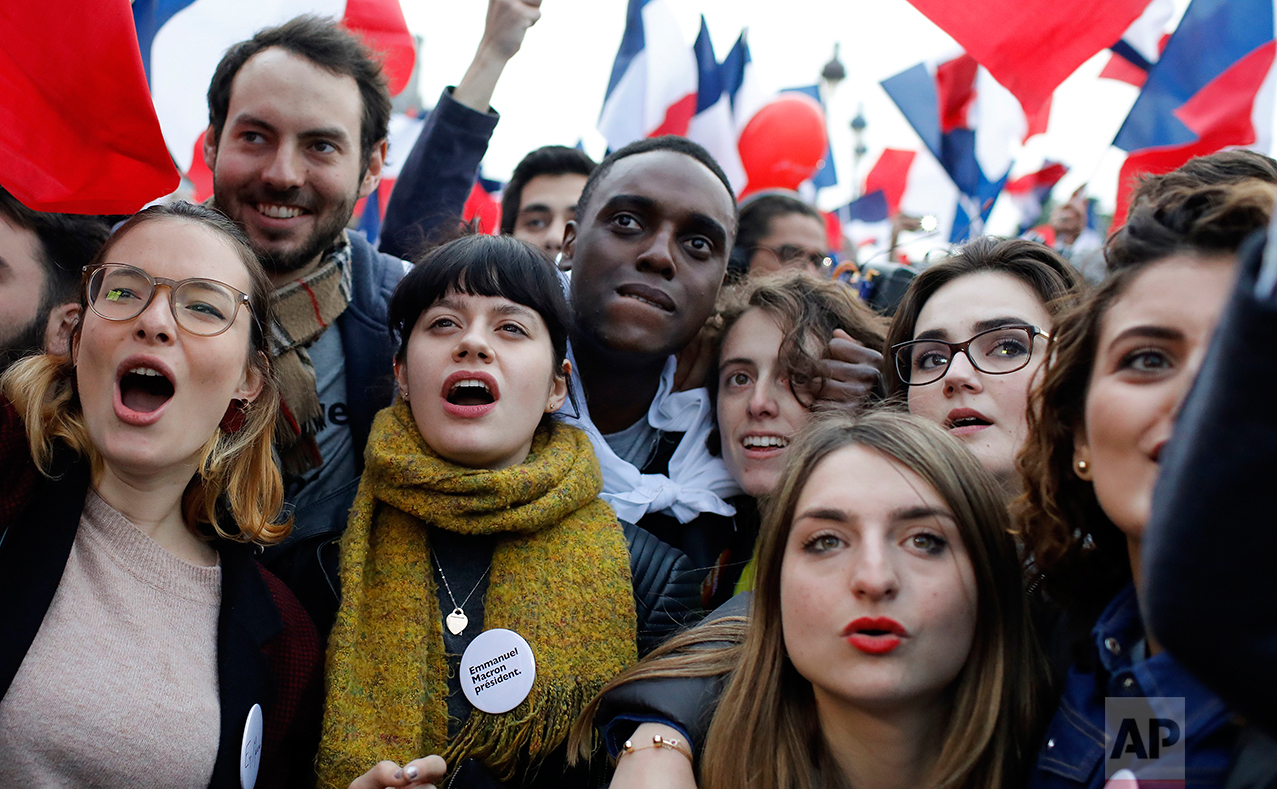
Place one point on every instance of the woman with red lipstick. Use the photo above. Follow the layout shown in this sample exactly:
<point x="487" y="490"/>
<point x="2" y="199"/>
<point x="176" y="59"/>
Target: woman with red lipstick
<point x="970" y="335"/>
<point x="478" y="511"/>
<point x="888" y="642"/>
<point x="140" y="642"/>
<point x="1122" y="363"/>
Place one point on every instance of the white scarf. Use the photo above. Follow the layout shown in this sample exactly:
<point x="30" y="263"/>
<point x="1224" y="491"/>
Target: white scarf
<point x="698" y="481"/>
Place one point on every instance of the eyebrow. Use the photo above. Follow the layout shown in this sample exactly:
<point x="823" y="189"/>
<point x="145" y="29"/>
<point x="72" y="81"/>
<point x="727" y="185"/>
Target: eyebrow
<point x="1150" y="332"/>
<point x="501" y="309"/>
<point x="323" y="132"/>
<point x="980" y="326"/>
<point x="514" y="309"/>
<point x="920" y="513"/>
<point x="824" y="514"/>
<point x="700" y="222"/>
<point x="737" y="360"/>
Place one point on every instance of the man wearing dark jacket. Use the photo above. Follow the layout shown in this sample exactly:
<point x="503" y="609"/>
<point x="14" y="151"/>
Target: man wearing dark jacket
<point x="298" y="118"/>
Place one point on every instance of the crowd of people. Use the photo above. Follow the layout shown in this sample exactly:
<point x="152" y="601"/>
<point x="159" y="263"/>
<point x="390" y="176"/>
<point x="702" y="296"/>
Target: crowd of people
<point x="630" y="493"/>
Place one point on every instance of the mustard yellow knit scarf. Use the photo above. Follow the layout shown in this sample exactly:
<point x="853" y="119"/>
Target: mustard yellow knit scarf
<point x="560" y="577"/>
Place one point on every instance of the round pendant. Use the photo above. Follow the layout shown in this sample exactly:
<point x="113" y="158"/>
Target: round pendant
<point x="457" y="621"/>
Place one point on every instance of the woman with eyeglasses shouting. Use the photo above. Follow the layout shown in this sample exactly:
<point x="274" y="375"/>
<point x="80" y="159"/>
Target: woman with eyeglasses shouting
<point x="969" y="337"/>
<point x="140" y="642"/>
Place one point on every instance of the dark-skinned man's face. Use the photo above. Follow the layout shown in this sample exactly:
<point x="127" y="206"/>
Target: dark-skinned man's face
<point x="649" y="253"/>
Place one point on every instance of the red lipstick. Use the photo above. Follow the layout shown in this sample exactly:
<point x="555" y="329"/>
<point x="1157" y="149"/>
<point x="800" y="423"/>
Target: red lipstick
<point x="874" y="635"/>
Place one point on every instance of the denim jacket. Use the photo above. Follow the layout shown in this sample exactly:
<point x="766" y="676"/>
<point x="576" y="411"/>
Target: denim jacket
<point x="1073" y="751"/>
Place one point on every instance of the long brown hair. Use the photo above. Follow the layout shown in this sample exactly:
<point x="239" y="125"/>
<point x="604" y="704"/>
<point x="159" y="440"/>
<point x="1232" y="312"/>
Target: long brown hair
<point x="239" y="465"/>
<point x="765" y="733"/>
<point x="1082" y="553"/>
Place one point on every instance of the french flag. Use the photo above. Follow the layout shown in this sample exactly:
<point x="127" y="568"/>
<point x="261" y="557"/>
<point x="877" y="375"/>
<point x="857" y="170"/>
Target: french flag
<point x="404" y="130"/>
<point x="78" y="133"/>
<point x="902" y="183"/>
<point x="1030" y="192"/>
<point x="1141" y="45"/>
<point x="1213" y="88"/>
<point x="1031" y="46"/>
<point x="182" y="42"/>
<point x="713" y="126"/>
<point x="866" y="222"/>
<point x="970" y="124"/>
<point x="653" y="89"/>
<point x="740" y="83"/>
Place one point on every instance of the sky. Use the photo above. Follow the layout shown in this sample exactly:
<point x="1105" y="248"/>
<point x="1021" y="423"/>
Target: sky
<point x="552" y="91"/>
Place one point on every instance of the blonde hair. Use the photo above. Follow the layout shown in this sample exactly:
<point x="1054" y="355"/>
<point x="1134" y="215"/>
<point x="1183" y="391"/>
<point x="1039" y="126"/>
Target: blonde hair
<point x="765" y="733"/>
<point x="237" y="470"/>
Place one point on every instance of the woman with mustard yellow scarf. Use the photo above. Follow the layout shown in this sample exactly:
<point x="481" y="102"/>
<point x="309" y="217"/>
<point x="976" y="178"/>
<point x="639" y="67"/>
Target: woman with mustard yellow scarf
<point x="487" y="592"/>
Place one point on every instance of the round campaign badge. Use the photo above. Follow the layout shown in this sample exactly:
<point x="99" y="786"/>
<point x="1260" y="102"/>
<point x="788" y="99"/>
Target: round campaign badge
<point x="250" y="749"/>
<point x="497" y="670"/>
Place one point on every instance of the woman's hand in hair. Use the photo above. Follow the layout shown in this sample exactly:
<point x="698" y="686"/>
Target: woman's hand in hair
<point x="654" y="768"/>
<point x="419" y="774"/>
<point x="850" y="372"/>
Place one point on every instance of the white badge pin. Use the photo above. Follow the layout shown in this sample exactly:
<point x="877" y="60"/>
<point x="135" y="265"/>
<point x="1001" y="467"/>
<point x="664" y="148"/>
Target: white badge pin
<point x="497" y="670"/>
<point x="250" y="749"/>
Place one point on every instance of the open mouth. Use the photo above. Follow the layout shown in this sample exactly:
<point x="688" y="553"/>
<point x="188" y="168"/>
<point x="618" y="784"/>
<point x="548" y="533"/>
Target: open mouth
<point x="470" y="391"/>
<point x="764" y="442"/>
<point x="969" y="421"/>
<point x="145" y="389"/>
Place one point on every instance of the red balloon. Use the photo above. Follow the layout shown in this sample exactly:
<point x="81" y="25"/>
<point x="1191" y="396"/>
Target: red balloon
<point x="784" y="143"/>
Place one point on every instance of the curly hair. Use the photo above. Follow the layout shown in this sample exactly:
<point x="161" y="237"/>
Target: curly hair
<point x="807" y="310"/>
<point x="1082" y="553"/>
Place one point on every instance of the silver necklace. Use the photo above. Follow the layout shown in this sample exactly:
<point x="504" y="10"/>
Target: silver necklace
<point x="457" y="620"/>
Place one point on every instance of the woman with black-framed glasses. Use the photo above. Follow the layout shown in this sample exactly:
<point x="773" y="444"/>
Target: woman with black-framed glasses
<point x="969" y="337"/>
<point x="140" y="642"/>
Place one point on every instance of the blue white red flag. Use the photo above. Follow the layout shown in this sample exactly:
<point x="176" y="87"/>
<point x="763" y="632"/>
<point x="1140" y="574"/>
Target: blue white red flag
<point x="911" y="184"/>
<point x="1141" y="45"/>
<point x="403" y="133"/>
<point x="740" y="83"/>
<point x="970" y="124"/>
<point x="866" y="222"/>
<point x="1031" y="46"/>
<point x="653" y="87"/>
<point x="182" y="42"/>
<point x="712" y="126"/>
<point x="1213" y="88"/>
<point x="1030" y="192"/>
<point x="78" y="133"/>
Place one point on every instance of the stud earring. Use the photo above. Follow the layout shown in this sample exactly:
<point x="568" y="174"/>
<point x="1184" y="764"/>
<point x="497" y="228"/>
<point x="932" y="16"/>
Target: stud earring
<point x="1083" y="467"/>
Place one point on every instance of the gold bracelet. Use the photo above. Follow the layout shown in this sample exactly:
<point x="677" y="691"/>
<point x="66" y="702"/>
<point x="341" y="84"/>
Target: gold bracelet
<point x="658" y="742"/>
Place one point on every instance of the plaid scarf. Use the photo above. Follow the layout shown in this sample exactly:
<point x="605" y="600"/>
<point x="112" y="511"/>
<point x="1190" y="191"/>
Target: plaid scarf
<point x="560" y="577"/>
<point x="306" y="308"/>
